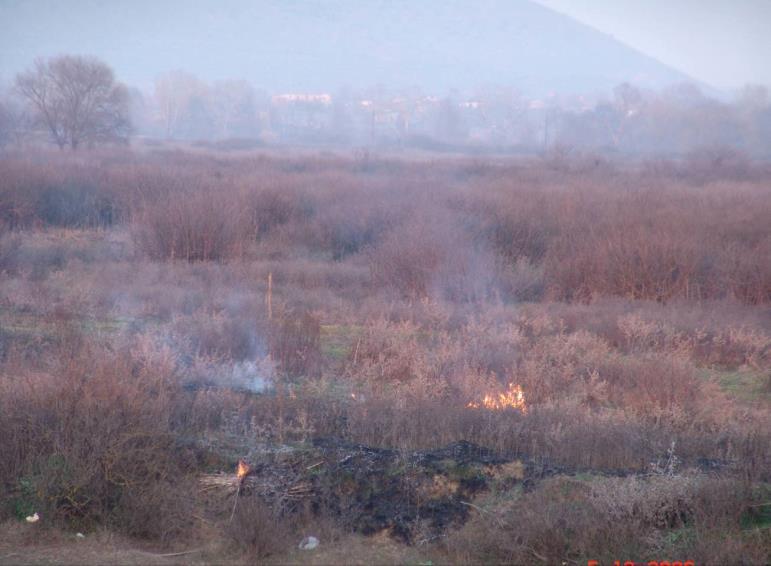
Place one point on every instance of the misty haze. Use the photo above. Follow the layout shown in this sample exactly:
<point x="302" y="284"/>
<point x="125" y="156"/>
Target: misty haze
<point x="385" y="282"/>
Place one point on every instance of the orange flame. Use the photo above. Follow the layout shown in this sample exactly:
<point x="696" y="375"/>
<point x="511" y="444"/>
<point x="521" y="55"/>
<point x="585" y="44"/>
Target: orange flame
<point x="241" y="470"/>
<point x="512" y="398"/>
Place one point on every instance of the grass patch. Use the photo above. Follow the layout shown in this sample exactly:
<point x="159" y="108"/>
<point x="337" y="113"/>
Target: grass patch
<point x="743" y="384"/>
<point x="339" y="340"/>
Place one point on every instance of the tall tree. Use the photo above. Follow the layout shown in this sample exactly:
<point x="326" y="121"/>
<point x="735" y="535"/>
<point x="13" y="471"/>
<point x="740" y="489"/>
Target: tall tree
<point x="178" y="99"/>
<point x="233" y="108"/>
<point x="77" y="100"/>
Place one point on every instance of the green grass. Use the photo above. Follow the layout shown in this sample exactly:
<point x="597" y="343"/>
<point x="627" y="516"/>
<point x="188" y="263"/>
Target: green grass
<point x="18" y="325"/>
<point x="758" y="515"/>
<point x="741" y="384"/>
<point x="339" y="340"/>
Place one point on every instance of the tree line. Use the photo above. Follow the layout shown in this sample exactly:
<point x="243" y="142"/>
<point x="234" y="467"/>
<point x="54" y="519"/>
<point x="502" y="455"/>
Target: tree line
<point x="75" y="101"/>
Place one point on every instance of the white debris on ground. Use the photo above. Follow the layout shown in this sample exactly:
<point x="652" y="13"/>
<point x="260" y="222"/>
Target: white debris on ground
<point x="309" y="543"/>
<point x="33" y="518"/>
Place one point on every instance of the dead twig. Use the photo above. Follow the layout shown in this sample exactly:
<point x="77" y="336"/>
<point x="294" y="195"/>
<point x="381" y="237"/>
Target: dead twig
<point x="429" y="539"/>
<point x="235" y="502"/>
<point x="540" y="557"/>
<point x="482" y="511"/>
<point x="169" y="554"/>
<point x="356" y="351"/>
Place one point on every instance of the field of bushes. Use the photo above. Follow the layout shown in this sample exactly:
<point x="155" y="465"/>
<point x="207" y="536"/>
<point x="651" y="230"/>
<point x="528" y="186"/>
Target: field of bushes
<point x="349" y="322"/>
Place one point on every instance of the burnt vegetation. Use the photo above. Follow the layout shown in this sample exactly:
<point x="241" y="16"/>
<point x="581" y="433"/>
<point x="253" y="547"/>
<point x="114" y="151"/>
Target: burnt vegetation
<point x="337" y="322"/>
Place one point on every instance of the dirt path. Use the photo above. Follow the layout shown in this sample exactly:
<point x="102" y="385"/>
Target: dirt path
<point x="31" y="545"/>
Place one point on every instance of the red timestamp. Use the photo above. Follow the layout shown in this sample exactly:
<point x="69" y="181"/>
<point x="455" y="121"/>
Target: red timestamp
<point x="648" y="563"/>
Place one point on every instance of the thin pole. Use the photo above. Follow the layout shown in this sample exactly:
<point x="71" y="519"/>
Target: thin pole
<point x="269" y="295"/>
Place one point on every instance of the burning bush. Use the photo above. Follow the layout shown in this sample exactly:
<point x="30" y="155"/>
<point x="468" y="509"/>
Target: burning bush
<point x="512" y="398"/>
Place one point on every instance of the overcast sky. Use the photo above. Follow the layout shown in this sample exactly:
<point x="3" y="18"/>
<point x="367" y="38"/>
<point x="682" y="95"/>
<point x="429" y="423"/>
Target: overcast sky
<point x="725" y="43"/>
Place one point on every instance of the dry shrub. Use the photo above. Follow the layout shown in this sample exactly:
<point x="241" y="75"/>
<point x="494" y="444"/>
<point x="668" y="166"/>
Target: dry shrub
<point x="156" y="508"/>
<point x="404" y="363"/>
<point x="579" y="368"/>
<point x="521" y="281"/>
<point x="55" y="190"/>
<point x="726" y="334"/>
<point x="730" y="524"/>
<point x="427" y="257"/>
<point x="417" y="269"/>
<point x="558" y="366"/>
<point x="275" y="206"/>
<point x="295" y="344"/>
<point x="570" y="520"/>
<point x="729" y="346"/>
<point x="257" y="529"/>
<point x="707" y="164"/>
<point x="622" y="260"/>
<point x="386" y="354"/>
<point x="656" y="245"/>
<point x="223" y="334"/>
<point x="489" y="346"/>
<point x="554" y="524"/>
<point x="199" y="225"/>
<point x="517" y="220"/>
<point x="10" y="251"/>
<point x="357" y="222"/>
<point x="652" y="382"/>
<point x="576" y="233"/>
<point x="408" y="260"/>
<point x="91" y="439"/>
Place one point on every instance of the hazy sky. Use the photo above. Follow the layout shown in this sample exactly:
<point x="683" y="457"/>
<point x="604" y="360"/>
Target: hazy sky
<point x="321" y="44"/>
<point x="725" y="43"/>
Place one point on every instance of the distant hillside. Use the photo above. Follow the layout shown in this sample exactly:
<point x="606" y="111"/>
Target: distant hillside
<point x="304" y="45"/>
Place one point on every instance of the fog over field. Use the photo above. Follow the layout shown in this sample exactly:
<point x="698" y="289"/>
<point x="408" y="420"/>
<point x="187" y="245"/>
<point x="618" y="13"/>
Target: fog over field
<point x="385" y="282"/>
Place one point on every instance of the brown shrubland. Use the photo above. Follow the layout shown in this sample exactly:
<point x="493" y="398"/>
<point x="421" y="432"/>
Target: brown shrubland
<point x="629" y="301"/>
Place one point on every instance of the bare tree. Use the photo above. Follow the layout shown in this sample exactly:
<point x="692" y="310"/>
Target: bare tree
<point x="6" y="124"/>
<point x="176" y="96"/>
<point x="14" y="121"/>
<point x="233" y="108"/>
<point x="77" y="100"/>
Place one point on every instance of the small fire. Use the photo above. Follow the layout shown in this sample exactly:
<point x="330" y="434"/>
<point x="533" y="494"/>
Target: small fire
<point x="241" y="470"/>
<point x="512" y="398"/>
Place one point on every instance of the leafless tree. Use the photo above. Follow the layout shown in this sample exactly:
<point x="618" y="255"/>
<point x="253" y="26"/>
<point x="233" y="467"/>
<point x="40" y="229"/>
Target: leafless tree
<point x="233" y="108"/>
<point x="175" y="96"/>
<point x="14" y="121"/>
<point x="77" y="99"/>
<point x="6" y="123"/>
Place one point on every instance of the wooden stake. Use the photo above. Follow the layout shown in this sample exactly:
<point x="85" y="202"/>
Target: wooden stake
<point x="269" y="296"/>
